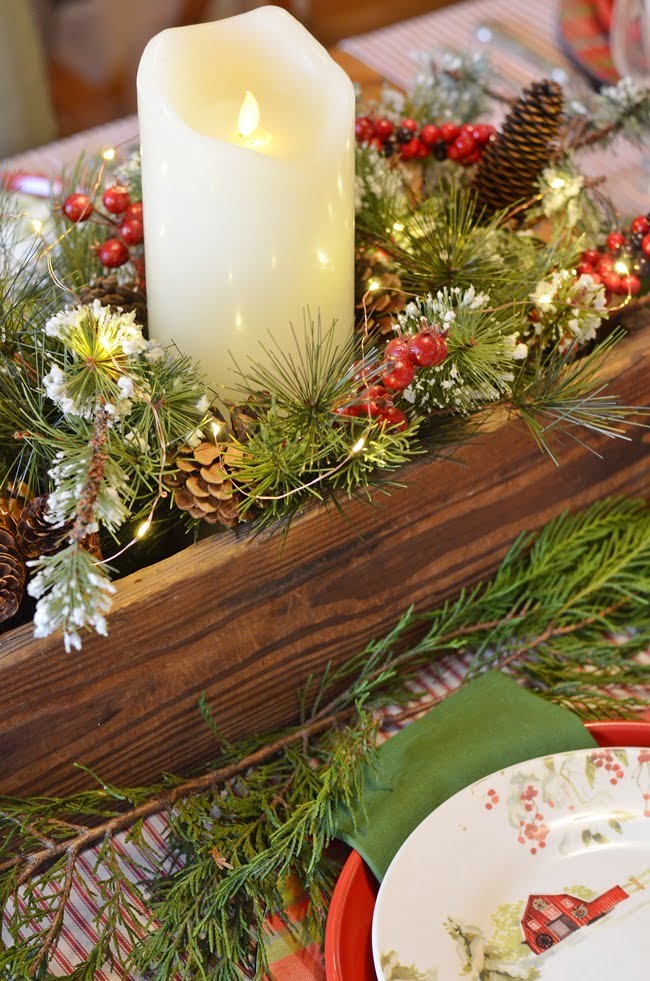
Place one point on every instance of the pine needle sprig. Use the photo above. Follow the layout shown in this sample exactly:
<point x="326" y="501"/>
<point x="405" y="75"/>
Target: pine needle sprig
<point x="564" y="396"/>
<point x="444" y="239"/>
<point x="621" y="110"/>
<point x="76" y="258"/>
<point x="302" y="451"/>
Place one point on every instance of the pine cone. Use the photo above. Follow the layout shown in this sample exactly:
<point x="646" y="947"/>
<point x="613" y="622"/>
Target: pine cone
<point x="510" y="166"/>
<point x="386" y="299"/>
<point x="114" y="294"/>
<point x="202" y="484"/>
<point x="37" y="536"/>
<point x="244" y="416"/>
<point x="12" y="569"/>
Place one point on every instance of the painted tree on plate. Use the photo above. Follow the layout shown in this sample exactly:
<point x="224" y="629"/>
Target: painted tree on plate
<point x="481" y="959"/>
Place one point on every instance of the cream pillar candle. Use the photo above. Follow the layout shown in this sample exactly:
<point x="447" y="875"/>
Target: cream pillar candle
<point x="247" y="134"/>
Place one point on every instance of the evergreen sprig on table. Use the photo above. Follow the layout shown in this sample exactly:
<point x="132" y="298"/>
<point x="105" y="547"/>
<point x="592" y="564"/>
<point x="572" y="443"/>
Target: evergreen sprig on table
<point x="556" y="616"/>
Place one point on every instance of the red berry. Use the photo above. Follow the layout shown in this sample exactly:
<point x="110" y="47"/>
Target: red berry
<point x="399" y="375"/>
<point x="645" y="244"/>
<point x="113" y="253"/>
<point x="605" y="264"/>
<point x="363" y="128"/>
<point x="462" y="146"/>
<point x="411" y="149"/>
<point x="383" y="128"/>
<point x="449" y="132"/>
<point x="77" y="207"/>
<point x="473" y="158"/>
<point x="395" y="418"/>
<point x="377" y="143"/>
<point x="615" y="240"/>
<point x="376" y="401"/>
<point x="134" y="210"/>
<point x="641" y="224"/>
<point x="116" y="199"/>
<point x="397" y="349"/>
<point x="585" y="267"/>
<point x="409" y="124"/>
<point x="430" y="134"/>
<point x="375" y="392"/>
<point x="427" y="349"/>
<point x="132" y="231"/>
<point x="611" y="282"/>
<point x="483" y="133"/>
<point x="350" y="410"/>
<point x="591" y="255"/>
<point x="631" y="284"/>
<point x="423" y="151"/>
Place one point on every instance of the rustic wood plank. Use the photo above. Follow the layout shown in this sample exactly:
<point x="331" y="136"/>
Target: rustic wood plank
<point x="248" y="621"/>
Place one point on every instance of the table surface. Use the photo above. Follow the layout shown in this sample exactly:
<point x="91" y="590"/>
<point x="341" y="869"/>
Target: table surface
<point x="386" y="53"/>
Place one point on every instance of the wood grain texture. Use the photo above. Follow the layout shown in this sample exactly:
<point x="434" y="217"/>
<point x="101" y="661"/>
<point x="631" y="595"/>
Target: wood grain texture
<point x="247" y="621"/>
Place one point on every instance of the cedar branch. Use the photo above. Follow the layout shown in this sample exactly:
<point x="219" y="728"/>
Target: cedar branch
<point x="164" y="802"/>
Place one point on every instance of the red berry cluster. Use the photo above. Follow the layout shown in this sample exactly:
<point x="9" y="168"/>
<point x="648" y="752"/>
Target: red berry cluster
<point x="532" y="831"/>
<point x="626" y="257"/>
<point x="493" y="799"/>
<point x="408" y="140"/>
<point x="402" y="358"/>
<point x="609" y="763"/>
<point x="123" y="216"/>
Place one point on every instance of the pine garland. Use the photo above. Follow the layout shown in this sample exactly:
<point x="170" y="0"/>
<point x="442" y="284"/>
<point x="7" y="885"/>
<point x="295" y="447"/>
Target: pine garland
<point x="555" y="616"/>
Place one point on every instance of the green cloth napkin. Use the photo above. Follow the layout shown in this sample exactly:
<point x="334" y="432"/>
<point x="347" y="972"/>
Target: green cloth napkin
<point x="487" y="725"/>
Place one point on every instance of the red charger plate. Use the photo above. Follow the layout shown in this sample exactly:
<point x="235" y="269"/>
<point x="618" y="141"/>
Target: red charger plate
<point x="348" y="945"/>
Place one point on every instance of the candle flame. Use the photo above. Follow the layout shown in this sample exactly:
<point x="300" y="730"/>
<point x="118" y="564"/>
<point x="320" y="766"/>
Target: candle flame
<point x="249" y="115"/>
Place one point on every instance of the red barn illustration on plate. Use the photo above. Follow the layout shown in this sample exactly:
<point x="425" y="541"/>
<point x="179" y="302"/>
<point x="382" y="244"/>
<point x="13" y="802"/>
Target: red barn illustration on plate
<point x="549" y="919"/>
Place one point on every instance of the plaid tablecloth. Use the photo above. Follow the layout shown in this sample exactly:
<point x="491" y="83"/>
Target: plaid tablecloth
<point x="389" y="52"/>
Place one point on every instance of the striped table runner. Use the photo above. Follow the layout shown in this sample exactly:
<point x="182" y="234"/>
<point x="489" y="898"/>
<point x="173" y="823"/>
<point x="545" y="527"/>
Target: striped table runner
<point x="389" y="51"/>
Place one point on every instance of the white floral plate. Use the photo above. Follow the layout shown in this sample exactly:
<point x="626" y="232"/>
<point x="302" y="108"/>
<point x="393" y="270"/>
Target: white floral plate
<point x="540" y="871"/>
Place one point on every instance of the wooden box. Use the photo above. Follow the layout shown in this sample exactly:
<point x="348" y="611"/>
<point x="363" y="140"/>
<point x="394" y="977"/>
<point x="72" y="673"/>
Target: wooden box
<point x="247" y="621"/>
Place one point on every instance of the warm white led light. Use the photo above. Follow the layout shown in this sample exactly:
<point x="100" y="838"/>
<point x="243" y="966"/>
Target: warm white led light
<point x="249" y="115"/>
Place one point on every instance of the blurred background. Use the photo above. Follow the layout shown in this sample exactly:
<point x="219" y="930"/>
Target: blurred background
<point x="66" y="65"/>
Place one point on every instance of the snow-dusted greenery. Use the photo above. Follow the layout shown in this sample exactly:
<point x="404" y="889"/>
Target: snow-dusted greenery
<point x="482" y="353"/>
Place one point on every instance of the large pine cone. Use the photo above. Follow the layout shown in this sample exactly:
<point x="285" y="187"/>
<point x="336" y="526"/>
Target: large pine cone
<point x="111" y="293"/>
<point x="386" y="298"/>
<point x="37" y="536"/>
<point x="12" y="569"/>
<point x="511" y="165"/>
<point x="202" y="485"/>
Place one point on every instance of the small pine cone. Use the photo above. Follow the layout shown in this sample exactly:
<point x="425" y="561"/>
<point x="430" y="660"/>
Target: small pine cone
<point x="37" y="536"/>
<point x="12" y="569"/>
<point x="510" y="166"/>
<point x="244" y="416"/>
<point x="111" y="293"/>
<point x="202" y="485"/>
<point x="385" y="300"/>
